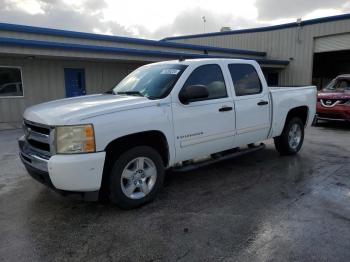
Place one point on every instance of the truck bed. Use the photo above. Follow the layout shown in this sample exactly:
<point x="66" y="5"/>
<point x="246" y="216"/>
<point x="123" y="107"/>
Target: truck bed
<point x="284" y="98"/>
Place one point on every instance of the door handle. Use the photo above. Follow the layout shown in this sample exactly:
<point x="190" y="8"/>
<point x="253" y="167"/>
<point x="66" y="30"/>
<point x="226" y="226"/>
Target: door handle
<point x="262" y="103"/>
<point x="225" y="108"/>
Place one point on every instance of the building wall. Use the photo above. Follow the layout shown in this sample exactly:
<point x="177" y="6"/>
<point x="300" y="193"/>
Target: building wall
<point x="290" y="43"/>
<point x="43" y="80"/>
<point x="105" y="43"/>
<point x="106" y="60"/>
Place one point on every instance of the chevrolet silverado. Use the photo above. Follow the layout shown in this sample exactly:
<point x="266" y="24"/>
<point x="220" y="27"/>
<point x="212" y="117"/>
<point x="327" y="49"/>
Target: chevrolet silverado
<point x="117" y="145"/>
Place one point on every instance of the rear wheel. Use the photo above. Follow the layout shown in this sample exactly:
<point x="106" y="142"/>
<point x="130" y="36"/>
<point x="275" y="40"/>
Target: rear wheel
<point x="292" y="137"/>
<point x="136" y="177"/>
<point x="315" y="121"/>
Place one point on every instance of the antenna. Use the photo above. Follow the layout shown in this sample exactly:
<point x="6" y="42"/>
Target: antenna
<point x="299" y="29"/>
<point x="299" y="21"/>
<point x="204" y="20"/>
<point x="181" y="58"/>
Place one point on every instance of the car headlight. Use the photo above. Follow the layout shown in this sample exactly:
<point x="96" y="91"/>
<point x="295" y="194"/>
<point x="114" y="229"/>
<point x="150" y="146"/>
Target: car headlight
<point x="75" y="139"/>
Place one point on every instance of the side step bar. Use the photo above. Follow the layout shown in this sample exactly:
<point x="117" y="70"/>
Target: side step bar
<point x="218" y="158"/>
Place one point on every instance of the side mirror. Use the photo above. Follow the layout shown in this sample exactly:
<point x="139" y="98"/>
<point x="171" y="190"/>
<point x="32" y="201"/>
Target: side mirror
<point x="192" y="93"/>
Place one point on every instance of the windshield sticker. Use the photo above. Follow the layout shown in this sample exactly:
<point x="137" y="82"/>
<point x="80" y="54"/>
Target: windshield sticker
<point x="169" y="71"/>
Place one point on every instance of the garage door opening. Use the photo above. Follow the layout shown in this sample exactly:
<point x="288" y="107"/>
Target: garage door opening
<point x="328" y="65"/>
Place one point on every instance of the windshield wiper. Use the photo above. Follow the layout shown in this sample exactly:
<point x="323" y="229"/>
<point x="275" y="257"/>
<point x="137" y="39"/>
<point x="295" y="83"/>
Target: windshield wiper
<point x="130" y="93"/>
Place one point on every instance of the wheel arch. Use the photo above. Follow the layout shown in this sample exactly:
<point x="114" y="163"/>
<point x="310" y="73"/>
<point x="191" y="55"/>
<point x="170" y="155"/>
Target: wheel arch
<point x="301" y="111"/>
<point x="153" y="138"/>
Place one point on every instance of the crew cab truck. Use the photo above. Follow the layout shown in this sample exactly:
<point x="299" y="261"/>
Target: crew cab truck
<point x="163" y="115"/>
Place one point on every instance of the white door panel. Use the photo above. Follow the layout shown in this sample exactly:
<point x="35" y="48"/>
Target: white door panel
<point x="201" y="129"/>
<point x="252" y="106"/>
<point x="204" y="127"/>
<point x="252" y="120"/>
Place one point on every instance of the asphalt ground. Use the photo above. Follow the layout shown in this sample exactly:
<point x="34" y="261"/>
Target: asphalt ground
<point x="258" y="207"/>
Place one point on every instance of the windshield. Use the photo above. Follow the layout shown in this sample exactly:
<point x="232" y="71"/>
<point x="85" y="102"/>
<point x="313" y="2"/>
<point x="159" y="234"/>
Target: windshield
<point x="152" y="81"/>
<point x="339" y="84"/>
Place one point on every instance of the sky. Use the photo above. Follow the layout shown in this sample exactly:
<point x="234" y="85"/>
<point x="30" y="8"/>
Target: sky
<point x="156" y="19"/>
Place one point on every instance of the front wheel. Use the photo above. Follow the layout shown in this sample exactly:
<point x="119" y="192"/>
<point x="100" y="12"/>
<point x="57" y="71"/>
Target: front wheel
<point x="292" y="137"/>
<point x="136" y="177"/>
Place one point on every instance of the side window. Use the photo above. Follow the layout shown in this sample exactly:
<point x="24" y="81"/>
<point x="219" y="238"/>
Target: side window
<point x="245" y="79"/>
<point x="211" y="77"/>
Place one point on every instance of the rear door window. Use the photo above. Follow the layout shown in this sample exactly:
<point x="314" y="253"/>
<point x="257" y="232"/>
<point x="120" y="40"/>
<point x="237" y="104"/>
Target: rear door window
<point x="245" y="79"/>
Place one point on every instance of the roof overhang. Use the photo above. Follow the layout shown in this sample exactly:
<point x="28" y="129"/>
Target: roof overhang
<point x="121" y="39"/>
<point x="72" y="49"/>
<point x="263" y="29"/>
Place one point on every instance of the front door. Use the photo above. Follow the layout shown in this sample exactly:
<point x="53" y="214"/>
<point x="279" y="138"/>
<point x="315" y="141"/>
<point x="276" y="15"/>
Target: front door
<point x="74" y="82"/>
<point x="251" y="103"/>
<point x="207" y="125"/>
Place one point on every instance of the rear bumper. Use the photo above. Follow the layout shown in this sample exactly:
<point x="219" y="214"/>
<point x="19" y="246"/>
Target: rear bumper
<point x="67" y="174"/>
<point x="335" y="113"/>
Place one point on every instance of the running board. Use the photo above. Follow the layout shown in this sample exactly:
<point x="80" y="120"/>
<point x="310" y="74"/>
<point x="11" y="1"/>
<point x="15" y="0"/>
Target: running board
<point x="218" y="158"/>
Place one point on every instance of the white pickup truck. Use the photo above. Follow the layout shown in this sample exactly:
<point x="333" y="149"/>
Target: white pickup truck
<point x="163" y="115"/>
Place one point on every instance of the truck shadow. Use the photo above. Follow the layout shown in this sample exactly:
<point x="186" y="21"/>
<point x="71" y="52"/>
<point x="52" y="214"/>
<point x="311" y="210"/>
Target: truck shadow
<point x="334" y="125"/>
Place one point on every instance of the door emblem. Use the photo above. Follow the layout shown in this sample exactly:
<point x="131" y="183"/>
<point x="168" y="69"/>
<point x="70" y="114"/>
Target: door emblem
<point x="189" y="135"/>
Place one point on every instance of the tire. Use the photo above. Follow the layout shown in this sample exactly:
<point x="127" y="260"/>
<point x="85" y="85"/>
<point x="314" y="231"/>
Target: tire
<point x="315" y="121"/>
<point x="131" y="183"/>
<point x="292" y="137"/>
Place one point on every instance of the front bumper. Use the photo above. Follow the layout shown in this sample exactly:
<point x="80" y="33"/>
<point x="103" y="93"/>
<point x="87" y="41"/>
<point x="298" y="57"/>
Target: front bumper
<point x="336" y="113"/>
<point x="67" y="173"/>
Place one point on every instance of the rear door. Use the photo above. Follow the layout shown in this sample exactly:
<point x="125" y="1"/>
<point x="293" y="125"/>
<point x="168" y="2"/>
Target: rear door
<point x="251" y="104"/>
<point x="205" y="126"/>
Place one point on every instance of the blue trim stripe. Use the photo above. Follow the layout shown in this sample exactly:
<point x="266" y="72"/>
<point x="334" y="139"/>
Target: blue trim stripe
<point x="266" y="28"/>
<point x="120" y="39"/>
<point x="117" y="50"/>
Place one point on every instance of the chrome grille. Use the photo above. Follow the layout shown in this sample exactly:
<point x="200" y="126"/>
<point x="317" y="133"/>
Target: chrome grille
<point x="38" y="137"/>
<point x="330" y="102"/>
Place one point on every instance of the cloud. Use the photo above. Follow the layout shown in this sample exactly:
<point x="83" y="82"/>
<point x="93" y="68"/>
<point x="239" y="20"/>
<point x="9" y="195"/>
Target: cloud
<point x="156" y="21"/>
<point x="190" y="22"/>
<point x="276" y="9"/>
<point x="87" y="17"/>
<point x="95" y="5"/>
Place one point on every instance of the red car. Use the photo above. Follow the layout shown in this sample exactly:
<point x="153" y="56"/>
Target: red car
<point x="333" y="102"/>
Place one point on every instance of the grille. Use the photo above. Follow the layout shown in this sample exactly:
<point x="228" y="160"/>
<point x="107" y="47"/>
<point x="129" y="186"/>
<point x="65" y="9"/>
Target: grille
<point x="37" y="136"/>
<point x="329" y="102"/>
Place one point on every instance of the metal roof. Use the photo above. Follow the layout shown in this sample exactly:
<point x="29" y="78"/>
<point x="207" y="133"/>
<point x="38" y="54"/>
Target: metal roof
<point x="265" y="28"/>
<point x="5" y="41"/>
<point x="121" y="39"/>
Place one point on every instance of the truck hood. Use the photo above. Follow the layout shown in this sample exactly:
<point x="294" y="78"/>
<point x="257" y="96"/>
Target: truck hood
<point x="73" y="110"/>
<point x="329" y="94"/>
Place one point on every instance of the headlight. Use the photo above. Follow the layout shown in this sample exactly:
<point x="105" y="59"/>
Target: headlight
<point x="75" y="139"/>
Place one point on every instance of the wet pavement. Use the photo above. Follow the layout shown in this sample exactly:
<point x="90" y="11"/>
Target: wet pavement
<point x="259" y="207"/>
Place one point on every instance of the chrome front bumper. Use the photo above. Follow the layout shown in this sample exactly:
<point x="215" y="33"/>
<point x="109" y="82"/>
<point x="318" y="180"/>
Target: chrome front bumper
<point x="37" y="166"/>
<point x="31" y="157"/>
